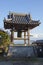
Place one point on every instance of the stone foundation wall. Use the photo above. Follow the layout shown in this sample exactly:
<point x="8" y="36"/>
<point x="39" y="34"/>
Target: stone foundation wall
<point x="21" y="56"/>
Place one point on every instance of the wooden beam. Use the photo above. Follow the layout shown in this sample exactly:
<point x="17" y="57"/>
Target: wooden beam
<point x="28" y="36"/>
<point x="20" y="38"/>
<point x="25" y="38"/>
<point x="12" y="35"/>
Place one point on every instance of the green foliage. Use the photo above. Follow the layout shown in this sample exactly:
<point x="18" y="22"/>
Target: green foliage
<point x="4" y="38"/>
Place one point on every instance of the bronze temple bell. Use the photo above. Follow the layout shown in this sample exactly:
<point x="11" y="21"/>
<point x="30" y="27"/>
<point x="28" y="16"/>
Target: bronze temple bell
<point x="19" y="33"/>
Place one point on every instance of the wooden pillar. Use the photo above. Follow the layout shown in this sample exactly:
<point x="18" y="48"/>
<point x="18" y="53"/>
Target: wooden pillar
<point x="28" y="34"/>
<point x="24" y="38"/>
<point x="12" y="35"/>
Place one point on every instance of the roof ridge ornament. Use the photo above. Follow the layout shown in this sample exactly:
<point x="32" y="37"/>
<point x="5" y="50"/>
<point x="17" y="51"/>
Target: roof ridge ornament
<point x="29" y="16"/>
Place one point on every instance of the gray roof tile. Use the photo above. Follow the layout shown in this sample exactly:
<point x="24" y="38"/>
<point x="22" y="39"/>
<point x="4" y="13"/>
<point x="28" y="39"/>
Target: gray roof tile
<point x="22" y="19"/>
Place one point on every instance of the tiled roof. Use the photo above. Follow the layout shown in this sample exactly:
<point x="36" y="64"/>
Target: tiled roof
<point x="39" y="41"/>
<point x="21" y="19"/>
<point x="24" y="19"/>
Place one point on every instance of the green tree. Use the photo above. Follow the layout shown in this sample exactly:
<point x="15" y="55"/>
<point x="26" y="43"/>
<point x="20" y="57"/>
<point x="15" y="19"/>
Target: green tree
<point x="4" y="38"/>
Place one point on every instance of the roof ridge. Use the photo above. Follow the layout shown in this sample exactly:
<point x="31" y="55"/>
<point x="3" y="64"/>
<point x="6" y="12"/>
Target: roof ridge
<point x="20" y="14"/>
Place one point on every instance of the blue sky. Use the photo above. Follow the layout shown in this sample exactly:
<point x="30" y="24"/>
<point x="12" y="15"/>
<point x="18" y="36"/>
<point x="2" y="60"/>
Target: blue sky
<point x="34" y="7"/>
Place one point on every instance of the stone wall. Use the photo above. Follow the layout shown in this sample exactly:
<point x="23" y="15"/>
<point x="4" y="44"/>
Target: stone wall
<point x="21" y="55"/>
<point x="22" y="51"/>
